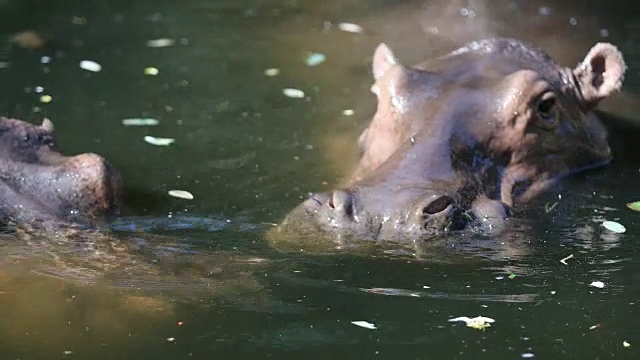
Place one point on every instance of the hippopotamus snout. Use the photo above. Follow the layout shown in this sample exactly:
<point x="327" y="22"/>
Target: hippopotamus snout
<point x="40" y="184"/>
<point x="347" y="212"/>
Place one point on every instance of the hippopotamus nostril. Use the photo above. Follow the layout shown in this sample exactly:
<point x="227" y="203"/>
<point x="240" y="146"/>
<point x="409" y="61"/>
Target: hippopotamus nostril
<point x="438" y="205"/>
<point x="316" y="200"/>
<point x="342" y="202"/>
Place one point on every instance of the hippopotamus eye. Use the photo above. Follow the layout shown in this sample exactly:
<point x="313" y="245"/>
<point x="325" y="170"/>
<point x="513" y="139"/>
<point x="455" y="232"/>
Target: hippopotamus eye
<point x="547" y="111"/>
<point x="47" y="140"/>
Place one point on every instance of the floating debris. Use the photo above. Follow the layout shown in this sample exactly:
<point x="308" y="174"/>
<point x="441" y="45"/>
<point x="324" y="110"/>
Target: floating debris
<point x="352" y="28"/>
<point x="549" y="207"/>
<point x="364" y="324"/>
<point x="635" y="206"/>
<point x="272" y="72"/>
<point x="614" y="226"/>
<point x="151" y="71"/>
<point x="348" y="112"/>
<point x="28" y="40"/>
<point x="293" y="93"/>
<point x="597" y="284"/>
<point x="478" y="322"/>
<point x="77" y="20"/>
<point x="160" y="43"/>
<point x="527" y="355"/>
<point x="511" y="276"/>
<point x="564" y="260"/>
<point x="182" y="194"/>
<point x="159" y="141"/>
<point x="315" y="58"/>
<point x="45" y="99"/>
<point x="140" y="122"/>
<point x="171" y="339"/>
<point x="626" y="344"/>
<point x="90" y="65"/>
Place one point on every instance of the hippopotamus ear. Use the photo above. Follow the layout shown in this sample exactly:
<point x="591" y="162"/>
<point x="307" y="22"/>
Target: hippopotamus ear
<point x="383" y="60"/>
<point x="600" y="73"/>
<point x="47" y="125"/>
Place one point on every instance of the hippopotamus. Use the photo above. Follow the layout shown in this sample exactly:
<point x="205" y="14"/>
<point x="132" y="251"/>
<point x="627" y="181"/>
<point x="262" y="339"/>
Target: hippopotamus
<point x="40" y="186"/>
<point x="461" y="141"/>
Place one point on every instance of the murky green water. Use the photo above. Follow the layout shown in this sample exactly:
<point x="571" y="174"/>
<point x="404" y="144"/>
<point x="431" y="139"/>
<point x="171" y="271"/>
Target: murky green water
<point x="249" y="154"/>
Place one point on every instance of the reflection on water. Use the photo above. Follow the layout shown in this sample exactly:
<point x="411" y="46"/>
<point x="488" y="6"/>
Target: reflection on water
<point x="174" y="278"/>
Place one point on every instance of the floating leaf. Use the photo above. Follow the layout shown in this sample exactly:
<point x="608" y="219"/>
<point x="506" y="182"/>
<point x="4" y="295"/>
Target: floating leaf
<point x="77" y="20"/>
<point x="182" y="194"/>
<point x="564" y="260"/>
<point x="28" y="40"/>
<point x="347" y="112"/>
<point x="597" y="284"/>
<point x="140" y="122"/>
<point x="614" y="226"/>
<point x="46" y="99"/>
<point x="159" y="43"/>
<point x="549" y="208"/>
<point x="90" y="66"/>
<point x="272" y="72"/>
<point x="315" y="59"/>
<point x="364" y="324"/>
<point x="512" y="276"/>
<point x="293" y="93"/>
<point x="478" y="322"/>
<point x="159" y="141"/>
<point x="635" y="206"/>
<point x="352" y="28"/>
<point x="151" y="71"/>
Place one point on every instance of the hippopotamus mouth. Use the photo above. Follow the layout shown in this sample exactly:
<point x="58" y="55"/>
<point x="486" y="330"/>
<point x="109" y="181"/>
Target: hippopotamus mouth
<point x="462" y="140"/>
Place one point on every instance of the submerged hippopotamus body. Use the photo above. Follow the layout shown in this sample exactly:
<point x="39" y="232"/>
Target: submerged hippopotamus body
<point x="39" y="186"/>
<point x="464" y="138"/>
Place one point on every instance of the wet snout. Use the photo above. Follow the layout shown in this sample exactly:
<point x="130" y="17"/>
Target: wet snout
<point x="372" y="213"/>
<point x="337" y="208"/>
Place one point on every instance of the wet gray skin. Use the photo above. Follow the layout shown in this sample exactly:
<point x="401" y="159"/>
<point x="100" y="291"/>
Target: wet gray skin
<point x="464" y="138"/>
<point x="40" y="186"/>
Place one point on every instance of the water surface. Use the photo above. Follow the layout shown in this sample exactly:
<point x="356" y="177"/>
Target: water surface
<point x="203" y="282"/>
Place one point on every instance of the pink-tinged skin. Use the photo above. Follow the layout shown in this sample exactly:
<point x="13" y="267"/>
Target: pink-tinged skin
<point x="464" y="138"/>
<point x="42" y="187"/>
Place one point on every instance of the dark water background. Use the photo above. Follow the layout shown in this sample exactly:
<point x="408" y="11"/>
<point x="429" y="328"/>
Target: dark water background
<point x="249" y="154"/>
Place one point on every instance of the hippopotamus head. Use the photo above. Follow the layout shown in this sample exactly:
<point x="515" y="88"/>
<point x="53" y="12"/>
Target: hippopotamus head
<point x="465" y="138"/>
<point x="38" y="183"/>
